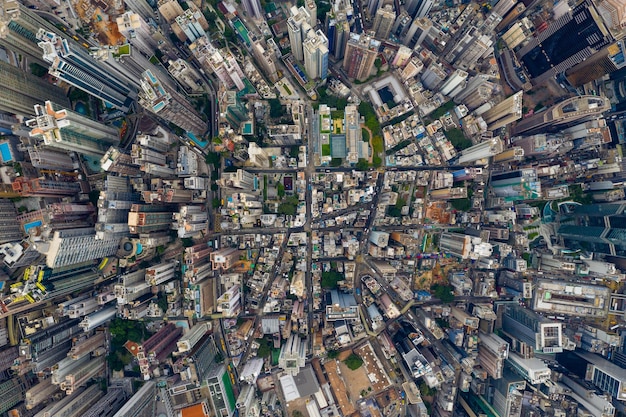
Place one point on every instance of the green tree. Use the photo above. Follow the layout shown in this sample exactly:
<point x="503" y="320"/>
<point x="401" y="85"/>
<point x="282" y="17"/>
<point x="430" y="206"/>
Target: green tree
<point x="216" y="203"/>
<point x="37" y="70"/>
<point x="280" y="190"/>
<point x="287" y="209"/>
<point x="362" y="165"/>
<point x="353" y="361"/>
<point x="377" y="161"/>
<point x="264" y="348"/>
<point x="443" y="293"/>
<point x="336" y="162"/>
<point x="187" y="242"/>
<point x="276" y="108"/>
<point x="213" y="158"/>
<point x="332" y="354"/>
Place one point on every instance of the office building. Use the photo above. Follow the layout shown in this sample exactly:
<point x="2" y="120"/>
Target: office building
<point x="492" y="352"/>
<point x="142" y="403"/>
<point x="423" y="8"/>
<point x="221" y="391"/>
<point x="595" y="227"/>
<point x="311" y="7"/>
<point x="201" y="359"/>
<point x="79" y="69"/>
<point x="354" y="135"/>
<point x="573" y="38"/>
<point x="508" y="394"/>
<point x="433" y="76"/>
<point x="73" y="405"/>
<point x="532" y="370"/>
<point x="522" y="184"/>
<point x="73" y="246"/>
<point x="108" y="404"/>
<point x="114" y="203"/>
<point x="69" y="131"/>
<point x="240" y="179"/>
<point x="530" y="331"/>
<point x="9" y="228"/>
<point x="569" y="112"/>
<point x="454" y="80"/>
<point x="170" y="105"/>
<point x="193" y="336"/>
<point x="483" y="150"/>
<point x="253" y="8"/>
<point x="417" y="32"/>
<point x="505" y="112"/>
<point x="604" y="62"/>
<point x="21" y="91"/>
<point x="383" y="21"/>
<point x="341" y="306"/>
<point x="293" y="354"/>
<point x="298" y="28"/>
<point x="148" y="218"/>
<point x="469" y="49"/>
<point x="457" y="244"/>
<point x="315" y="50"/>
<point x="605" y="375"/>
<point x="220" y="62"/>
<point x="361" y="53"/>
<point x="170" y="9"/>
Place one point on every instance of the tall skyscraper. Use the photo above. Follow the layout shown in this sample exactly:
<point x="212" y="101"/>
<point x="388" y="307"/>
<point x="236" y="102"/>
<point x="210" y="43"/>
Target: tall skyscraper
<point x="572" y="38"/>
<point x="574" y="110"/>
<point x="338" y="34"/>
<point x="424" y="8"/>
<point x="18" y="29"/>
<point x="605" y="61"/>
<point x="21" y="91"/>
<point x="253" y="8"/>
<point x="311" y="7"/>
<point x="74" y="246"/>
<point x="361" y="52"/>
<point x="190" y="25"/>
<point x="383" y="21"/>
<point x="298" y="28"/>
<point x="9" y="227"/>
<point x="433" y="76"/>
<point x="530" y="331"/>
<point x="145" y="218"/>
<point x="417" y="32"/>
<point x="69" y="131"/>
<point x="50" y="159"/>
<point x="170" y="9"/>
<point x="159" y="99"/>
<point x="454" y="80"/>
<point x="77" y="68"/>
<point x="315" y="49"/>
<point x="222" y="395"/>
<point x="43" y="187"/>
<point x="142" y="403"/>
<point x="221" y="62"/>
<point x="505" y="112"/>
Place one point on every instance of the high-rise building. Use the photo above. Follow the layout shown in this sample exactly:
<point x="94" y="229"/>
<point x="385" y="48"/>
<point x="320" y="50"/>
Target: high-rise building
<point x="170" y="105"/>
<point x="73" y="246"/>
<point x="505" y="112"/>
<point x="293" y="355"/>
<point x="433" y="76"/>
<point x="253" y="8"/>
<point x="402" y="57"/>
<point x="114" y="160"/>
<point x="266" y="59"/>
<point x="69" y="131"/>
<point x="508" y="394"/>
<point x="222" y="396"/>
<point x="604" y="62"/>
<point x="142" y="7"/>
<point x="44" y="187"/>
<point x="486" y="149"/>
<point x="148" y="218"/>
<point x="574" y="110"/>
<point x="77" y="68"/>
<point x="170" y="9"/>
<point x="311" y="7"/>
<point x="383" y="21"/>
<point x="50" y="159"/>
<point x="572" y="38"/>
<point x="315" y="50"/>
<point x="9" y="227"/>
<point x="141" y="404"/>
<point x="457" y="244"/>
<point x="137" y="32"/>
<point x="492" y="352"/>
<point x="470" y="88"/>
<point x="605" y="375"/>
<point x="185" y="74"/>
<point x="221" y="62"/>
<point x="18" y="27"/>
<point x="354" y="138"/>
<point x="298" y="28"/>
<point x="454" y="80"/>
<point x="21" y="91"/>
<point x="361" y="53"/>
<point x="424" y="8"/>
<point x="338" y="34"/>
<point x="190" y="25"/>
<point x="417" y="32"/>
<point x="530" y="332"/>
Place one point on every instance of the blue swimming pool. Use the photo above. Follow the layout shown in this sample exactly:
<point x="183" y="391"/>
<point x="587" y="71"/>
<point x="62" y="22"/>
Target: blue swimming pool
<point x="30" y="225"/>
<point x="139" y="249"/>
<point x="5" y="152"/>
<point x="201" y="143"/>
